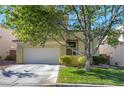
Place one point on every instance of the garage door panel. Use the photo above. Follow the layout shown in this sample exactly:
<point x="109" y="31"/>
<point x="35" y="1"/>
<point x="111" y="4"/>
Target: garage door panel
<point x="41" y="55"/>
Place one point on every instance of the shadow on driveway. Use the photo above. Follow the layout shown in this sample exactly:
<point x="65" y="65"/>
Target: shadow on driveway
<point x="11" y="73"/>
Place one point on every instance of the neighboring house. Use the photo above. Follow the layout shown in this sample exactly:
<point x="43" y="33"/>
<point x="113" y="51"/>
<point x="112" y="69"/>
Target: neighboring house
<point x="116" y="53"/>
<point x="7" y="46"/>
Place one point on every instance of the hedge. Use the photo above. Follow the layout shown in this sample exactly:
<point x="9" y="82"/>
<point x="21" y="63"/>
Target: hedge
<point x="72" y="60"/>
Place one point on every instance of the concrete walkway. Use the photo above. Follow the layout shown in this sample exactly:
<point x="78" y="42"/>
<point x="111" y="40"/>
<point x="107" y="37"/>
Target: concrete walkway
<point x="29" y="75"/>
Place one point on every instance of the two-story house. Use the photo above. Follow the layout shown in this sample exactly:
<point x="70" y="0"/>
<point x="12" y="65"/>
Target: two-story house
<point x="7" y="46"/>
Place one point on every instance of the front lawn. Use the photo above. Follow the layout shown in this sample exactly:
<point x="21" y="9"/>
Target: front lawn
<point x="96" y="76"/>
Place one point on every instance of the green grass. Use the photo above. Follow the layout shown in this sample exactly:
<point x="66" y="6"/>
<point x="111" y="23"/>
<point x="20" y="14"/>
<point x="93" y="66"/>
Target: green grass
<point x="96" y="76"/>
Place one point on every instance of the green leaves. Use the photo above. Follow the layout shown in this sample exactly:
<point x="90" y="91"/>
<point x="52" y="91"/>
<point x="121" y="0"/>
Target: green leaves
<point x="33" y="23"/>
<point x="112" y="38"/>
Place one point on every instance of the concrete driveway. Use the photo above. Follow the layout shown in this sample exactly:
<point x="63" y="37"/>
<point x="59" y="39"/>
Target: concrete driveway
<point x="29" y="75"/>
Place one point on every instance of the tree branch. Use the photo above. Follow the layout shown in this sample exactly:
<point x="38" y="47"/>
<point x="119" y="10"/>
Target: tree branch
<point x="65" y="45"/>
<point x="107" y="30"/>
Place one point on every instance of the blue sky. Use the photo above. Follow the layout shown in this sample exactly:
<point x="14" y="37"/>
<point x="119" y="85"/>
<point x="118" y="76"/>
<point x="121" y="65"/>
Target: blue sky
<point x="1" y="17"/>
<point x="72" y="19"/>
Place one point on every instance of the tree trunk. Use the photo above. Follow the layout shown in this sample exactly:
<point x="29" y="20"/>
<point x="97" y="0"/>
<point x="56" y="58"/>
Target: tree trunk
<point x="88" y="64"/>
<point x="89" y="55"/>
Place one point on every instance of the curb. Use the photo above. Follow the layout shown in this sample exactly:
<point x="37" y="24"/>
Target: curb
<point x="56" y="85"/>
<point x="80" y="85"/>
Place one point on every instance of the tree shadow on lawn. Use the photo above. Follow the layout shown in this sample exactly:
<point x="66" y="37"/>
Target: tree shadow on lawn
<point x="116" y="75"/>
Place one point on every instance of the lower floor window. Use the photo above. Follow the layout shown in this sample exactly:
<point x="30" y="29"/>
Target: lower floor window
<point x="70" y="52"/>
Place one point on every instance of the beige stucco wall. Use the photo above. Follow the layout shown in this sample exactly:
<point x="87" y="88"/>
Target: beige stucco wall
<point x="6" y="43"/>
<point x="80" y="43"/>
<point x="105" y="49"/>
<point x="116" y="54"/>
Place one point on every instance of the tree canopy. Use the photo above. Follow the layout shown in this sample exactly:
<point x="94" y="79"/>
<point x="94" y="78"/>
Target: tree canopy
<point x="36" y="23"/>
<point x="33" y="23"/>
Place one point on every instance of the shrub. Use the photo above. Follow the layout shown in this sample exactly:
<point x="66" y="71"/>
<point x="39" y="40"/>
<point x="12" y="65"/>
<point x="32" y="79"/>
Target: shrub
<point x="74" y="60"/>
<point x="82" y="60"/>
<point x="65" y="60"/>
<point x="99" y="60"/>
<point x="10" y="58"/>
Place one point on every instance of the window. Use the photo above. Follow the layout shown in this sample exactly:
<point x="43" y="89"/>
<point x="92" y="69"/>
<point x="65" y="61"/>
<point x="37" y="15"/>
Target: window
<point x="12" y="52"/>
<point x="16" y="40"/>
<point x="73" y="45"/>
<point x="70" y="52"/>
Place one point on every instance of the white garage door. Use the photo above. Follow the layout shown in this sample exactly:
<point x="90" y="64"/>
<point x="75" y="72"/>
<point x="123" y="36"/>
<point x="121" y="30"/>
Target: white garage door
<point x="41" y="55"/>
